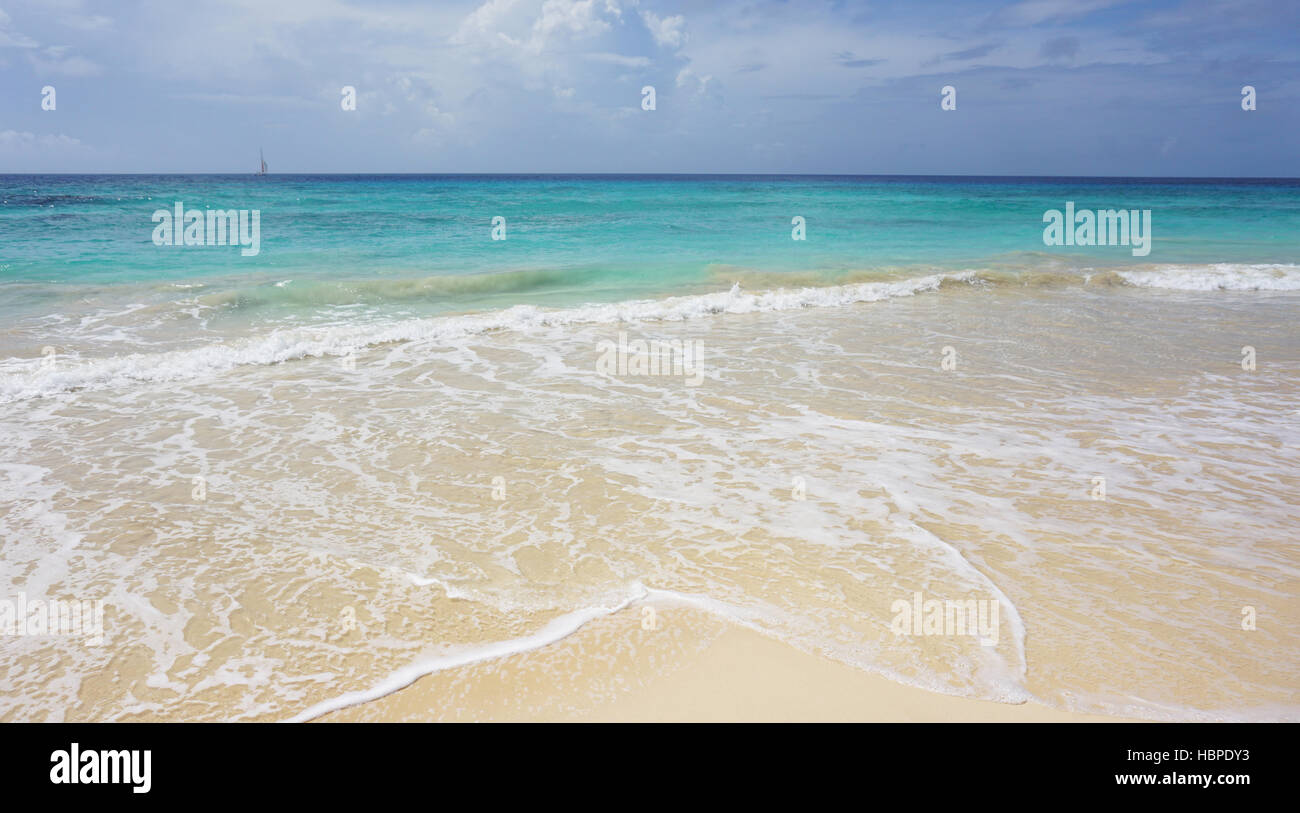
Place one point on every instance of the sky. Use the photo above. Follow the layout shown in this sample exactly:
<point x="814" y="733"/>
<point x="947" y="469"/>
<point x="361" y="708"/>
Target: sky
<point x="1042" y="87"/>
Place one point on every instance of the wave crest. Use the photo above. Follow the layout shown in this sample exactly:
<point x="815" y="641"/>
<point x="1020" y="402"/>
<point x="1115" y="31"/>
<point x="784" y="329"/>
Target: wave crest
<point x="296" y="343"/>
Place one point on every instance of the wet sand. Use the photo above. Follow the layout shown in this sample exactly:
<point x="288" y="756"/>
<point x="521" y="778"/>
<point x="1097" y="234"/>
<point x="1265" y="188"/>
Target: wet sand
<point x="736" y="675"/>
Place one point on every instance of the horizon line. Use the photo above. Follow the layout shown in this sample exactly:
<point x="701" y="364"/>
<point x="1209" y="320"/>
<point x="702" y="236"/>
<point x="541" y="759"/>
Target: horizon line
<point x="674" y="174"/>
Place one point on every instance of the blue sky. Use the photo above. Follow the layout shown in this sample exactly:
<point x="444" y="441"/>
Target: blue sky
<point x="1044" y="87"/>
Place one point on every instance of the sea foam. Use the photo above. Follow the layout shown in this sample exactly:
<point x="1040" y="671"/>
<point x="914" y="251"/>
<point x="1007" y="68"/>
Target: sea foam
<point x="27" y="378"/>
<point x="32" y="380"/>
<point x="1218" y="277"/>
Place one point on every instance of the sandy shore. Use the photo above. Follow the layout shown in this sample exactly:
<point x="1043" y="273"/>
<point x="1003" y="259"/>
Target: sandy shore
<point x="717" y="672"/>
<point x="748" y="677"/>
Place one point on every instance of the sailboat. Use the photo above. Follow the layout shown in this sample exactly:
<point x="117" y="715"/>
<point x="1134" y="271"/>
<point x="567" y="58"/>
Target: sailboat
<point x="261" y="159"/>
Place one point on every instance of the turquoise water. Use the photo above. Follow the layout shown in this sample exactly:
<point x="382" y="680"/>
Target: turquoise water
<point x="80" y="270"/>
<point x="576" y="238"/>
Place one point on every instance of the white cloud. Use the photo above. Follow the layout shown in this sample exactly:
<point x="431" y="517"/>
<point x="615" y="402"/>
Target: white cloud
<point x="486" y="21"/>
<point x="526" y="25"/>
<point x="667" y="31"/>
<point x="52" y="59"/>
<point x="581" y="18"/>
<point x="13" y="141"/>
<point x="13" y="39"/>
<point x="689" y="79"/>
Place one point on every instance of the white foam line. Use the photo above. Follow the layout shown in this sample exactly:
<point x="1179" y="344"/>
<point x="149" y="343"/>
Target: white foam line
<point x="1013" y="613"/>
<point x="1135" y="707"/>
<point x="711" y="605"/>
<point x="33" y="380"/>
<point x="556" y="630"/>
<point x="565" y="625"/>
<point x="1217" y="277"/>
<point x="1016" y="695"/>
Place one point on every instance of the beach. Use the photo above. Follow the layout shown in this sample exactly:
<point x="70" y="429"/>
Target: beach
<point x="647" y="459"/>
<point x="715" y="672"/>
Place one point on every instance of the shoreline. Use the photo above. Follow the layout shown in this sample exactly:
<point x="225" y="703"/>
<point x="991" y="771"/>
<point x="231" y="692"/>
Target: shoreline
<point x="729" y="673"/>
